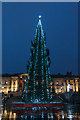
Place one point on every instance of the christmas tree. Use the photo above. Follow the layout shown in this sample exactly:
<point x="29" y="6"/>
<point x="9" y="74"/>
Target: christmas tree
<point x="37" y="87"/>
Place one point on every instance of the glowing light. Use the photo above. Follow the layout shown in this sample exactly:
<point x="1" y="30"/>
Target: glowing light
<point x="68" y="87"/>
<point x="5" y="112"/>
<point x="6" y="82"/>
<point x="14" y="114"/>
<point x="62" y="115"/>
<point x="39" y="16"/>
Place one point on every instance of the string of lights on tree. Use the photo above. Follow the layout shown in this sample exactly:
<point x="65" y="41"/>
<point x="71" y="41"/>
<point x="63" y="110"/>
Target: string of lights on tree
<point x="37" y="87"/>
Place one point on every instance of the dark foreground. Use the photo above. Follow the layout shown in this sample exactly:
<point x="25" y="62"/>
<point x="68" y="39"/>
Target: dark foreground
<point x="68" y="112"/>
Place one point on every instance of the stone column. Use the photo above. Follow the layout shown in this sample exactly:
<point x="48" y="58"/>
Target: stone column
<point x="20" y="81"/>
<point x="69" y="85"/>
<point x="66" y="85"/>
<point x="75" y="85"/>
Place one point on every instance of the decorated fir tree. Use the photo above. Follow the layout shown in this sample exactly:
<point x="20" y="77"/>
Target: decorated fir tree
<point x="37" y="87"/>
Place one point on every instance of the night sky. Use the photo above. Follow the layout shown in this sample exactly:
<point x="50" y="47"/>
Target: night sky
<point x="60" y="24"/>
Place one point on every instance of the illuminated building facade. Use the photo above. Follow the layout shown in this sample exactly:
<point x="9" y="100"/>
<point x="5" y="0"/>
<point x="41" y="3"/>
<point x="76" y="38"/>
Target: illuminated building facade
<point x="79" y="37"/>
<point x="66" y="84"/>
<point x="60" y="83"/>
<point x="9" y="83"/>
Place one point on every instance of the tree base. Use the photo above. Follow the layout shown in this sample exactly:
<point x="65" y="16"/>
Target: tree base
<point x="30" y="105"/>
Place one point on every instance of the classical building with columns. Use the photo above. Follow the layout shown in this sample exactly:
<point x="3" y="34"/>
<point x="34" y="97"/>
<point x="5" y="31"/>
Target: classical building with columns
<point x="12" y="83"/>
<point x="66" y="83"/>
<point x="61" y="83"/>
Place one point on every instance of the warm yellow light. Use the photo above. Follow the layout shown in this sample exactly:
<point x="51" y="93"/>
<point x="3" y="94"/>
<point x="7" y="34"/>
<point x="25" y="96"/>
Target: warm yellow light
<point x="5" y="112"/>
<point x="24" y="74"/>
<point x="47" y="90"/>
<point x="73" y="86"/>
<point x="37" y="83"/>
<point x="14" y="115"/>
<point x="67" y="86"/>
<point x="0" y="91"/>
<point x="16" y="85"/>
<point x="76" y="86"/>
<point x="10" y="115"/>
<point x="12" y="86"/>
<point x="14" y="77"/>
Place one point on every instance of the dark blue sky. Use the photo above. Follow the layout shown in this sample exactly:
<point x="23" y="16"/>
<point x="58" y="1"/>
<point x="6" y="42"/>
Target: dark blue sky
<point x="60" y="23"/>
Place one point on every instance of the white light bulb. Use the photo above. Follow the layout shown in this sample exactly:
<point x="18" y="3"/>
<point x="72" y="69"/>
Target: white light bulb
<point x="39" y="16"/>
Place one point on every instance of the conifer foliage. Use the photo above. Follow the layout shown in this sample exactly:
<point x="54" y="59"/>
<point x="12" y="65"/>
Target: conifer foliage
<point x="37" y="87"/>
